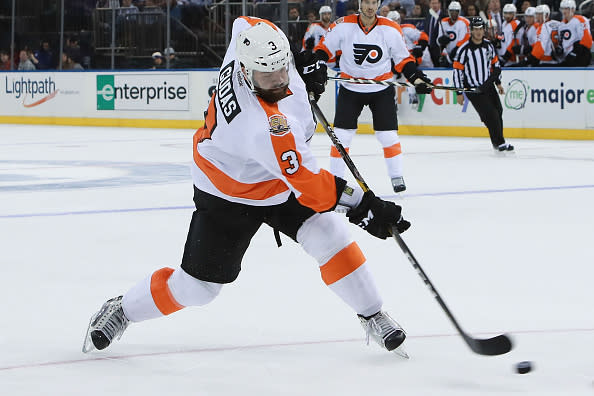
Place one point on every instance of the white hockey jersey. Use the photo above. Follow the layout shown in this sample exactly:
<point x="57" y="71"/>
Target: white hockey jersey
<point x="257" y="153"/>
<point x="315" y="30"/>
<point x="457" y="31"/>
<point x="530" y="34"/>
<point x="577" y="29"/>
<point x="512" y="32"/>
<point x="366" y="52"/>
<point x="546" y="40"/>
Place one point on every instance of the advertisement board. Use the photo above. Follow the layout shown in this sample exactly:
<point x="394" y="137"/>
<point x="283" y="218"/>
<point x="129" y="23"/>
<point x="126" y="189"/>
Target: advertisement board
<point x="538" y="102"/>
<point x="143" y="92"/>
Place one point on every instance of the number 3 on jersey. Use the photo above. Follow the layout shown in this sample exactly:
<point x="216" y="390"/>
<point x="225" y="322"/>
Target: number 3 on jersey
<point x="291" y="157"/>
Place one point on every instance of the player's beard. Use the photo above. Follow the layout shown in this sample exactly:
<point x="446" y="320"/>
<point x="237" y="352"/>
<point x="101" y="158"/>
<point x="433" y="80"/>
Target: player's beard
<point x="273" y="95"/>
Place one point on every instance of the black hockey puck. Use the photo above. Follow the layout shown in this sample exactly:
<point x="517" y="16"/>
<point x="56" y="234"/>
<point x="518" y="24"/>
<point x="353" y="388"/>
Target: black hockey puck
<point x="523" y="367"/>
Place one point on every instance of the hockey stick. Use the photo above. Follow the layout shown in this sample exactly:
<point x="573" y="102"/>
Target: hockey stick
<point x="397" y="84"/>
<point x="498" y="345"/>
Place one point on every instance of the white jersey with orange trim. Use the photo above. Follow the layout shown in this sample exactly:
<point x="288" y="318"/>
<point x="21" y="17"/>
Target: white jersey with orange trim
<point x="256" y="153"/>
<point x="412" y="35"/>
<point x="366" y="52"/>
<point x="457" y="31"/>
<point x="577" y="29"/>
<point x="546" y="39"/>
<point x="511" y="36"/>
<point x="531" y="33"/>
<point x="315" y="30"/>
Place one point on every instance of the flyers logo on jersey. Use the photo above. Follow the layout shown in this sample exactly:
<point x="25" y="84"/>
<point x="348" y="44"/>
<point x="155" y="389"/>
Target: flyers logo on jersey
<point x="451" y="35"/>
<point x="278" y="124"/>
<point x="565" y="34"/>
<point x="367" y="52"/>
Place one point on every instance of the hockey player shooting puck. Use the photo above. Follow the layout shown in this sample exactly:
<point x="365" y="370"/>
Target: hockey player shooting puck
<point x="523" y="367"/>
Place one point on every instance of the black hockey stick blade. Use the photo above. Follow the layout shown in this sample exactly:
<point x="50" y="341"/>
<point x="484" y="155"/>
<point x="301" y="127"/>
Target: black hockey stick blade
<point x="498" y="345"/>
<point x="494" y="346"/>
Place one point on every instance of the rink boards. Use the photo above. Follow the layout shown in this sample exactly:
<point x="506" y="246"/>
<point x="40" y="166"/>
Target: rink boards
<point x="538" y="103"/>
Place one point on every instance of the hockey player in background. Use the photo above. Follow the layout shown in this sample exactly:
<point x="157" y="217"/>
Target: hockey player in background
<point x="530" y="34"/>
<point x="543" y="51"/>
<point x="512" y="31"/>
<point x="453" y="33"/>
<point x="316" y="30"/>
<point x="252" y="165"/>
<point x="575" y="37"/>
<point x="370" y="45"/>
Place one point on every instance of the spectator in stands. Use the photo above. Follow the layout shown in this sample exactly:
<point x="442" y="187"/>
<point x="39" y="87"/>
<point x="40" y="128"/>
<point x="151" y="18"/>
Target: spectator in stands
<point x="170" y="53"/>
<point x="352" y="8"/>
<point x="24" y="61"/>
<point x="72" y="47"/>
<point x="432" y="29"/>
<point x="493" y="17"/>
<point x="68" y="62"/>
<point x="471" y="10"/>
<point x="384" y="10"/>
<point x="157" y="61"/>
<point x="418" y="16"/>
<point x="524" y="6"/>
<point x="4" y="61"/>
<point x="44" y="56"/>
<point x="296" y="28"/>
<point x="128" y="11"/>
<point x="311" y="16"/>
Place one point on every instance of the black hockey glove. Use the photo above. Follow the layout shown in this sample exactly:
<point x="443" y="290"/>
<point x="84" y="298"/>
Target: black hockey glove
<point x="422" y="83"/>
<point x="377" y="216"/>
<point x="313" y="71"/>
<point x="517" y="49"/>
<point x="417" y="51"/>
<point x="443" y="41"/>
<point x="310" y="44"/>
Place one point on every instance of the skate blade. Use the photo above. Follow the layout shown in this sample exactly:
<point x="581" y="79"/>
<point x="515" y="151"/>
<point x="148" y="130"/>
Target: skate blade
<point x="88" y="345"/>
<point x="401" y="352"/>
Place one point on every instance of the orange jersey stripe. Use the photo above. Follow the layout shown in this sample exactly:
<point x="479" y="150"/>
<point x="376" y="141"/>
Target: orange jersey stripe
<point x="458" y="65"/>
<point x="318" y="190"/>
<point x="229" y="186"/>
<point x="161" y="294"/>
<point x="392" y="151"/>
<point x="342" y="264"/>
<point x="334" y="152"/>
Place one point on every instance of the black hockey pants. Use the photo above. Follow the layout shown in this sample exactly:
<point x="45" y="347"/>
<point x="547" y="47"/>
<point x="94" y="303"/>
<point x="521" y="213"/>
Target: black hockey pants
<point x="488" y="106"/>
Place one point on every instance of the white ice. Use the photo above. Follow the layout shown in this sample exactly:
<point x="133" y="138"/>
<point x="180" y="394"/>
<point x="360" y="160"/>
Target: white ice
<point x="507" y="240"/>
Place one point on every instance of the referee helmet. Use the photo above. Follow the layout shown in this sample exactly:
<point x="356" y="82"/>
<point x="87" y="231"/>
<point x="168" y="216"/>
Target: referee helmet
<point x="477" y="22"/>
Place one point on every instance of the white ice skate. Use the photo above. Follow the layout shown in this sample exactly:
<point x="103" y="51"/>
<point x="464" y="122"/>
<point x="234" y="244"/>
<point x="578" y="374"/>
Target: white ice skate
<point x="385" y="331"/>
<point x="105" y="326"/>
<point x="398" y="184"/>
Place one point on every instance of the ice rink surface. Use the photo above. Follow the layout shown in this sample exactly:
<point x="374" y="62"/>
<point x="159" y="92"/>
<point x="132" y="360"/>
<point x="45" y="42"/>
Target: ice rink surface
<point x="507" y="240"/>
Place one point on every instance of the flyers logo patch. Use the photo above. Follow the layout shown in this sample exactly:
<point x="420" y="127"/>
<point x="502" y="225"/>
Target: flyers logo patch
<point x="278" y="124"/>
<point x="451" y="35"/>
<point x="565" y="34"/>
<point x="367" y="52"/>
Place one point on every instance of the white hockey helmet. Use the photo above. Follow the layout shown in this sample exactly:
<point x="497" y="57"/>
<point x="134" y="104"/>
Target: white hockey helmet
<point x="509" y="7"/>
<point x="567" y="4"/>
<point x="325" y="9"/>
<point x="455" y="6"/>
<point x="530" y="11"/>
<point x="262" y="48"/>
<point x="394" y="15"/>
<point x="543" y="9"/>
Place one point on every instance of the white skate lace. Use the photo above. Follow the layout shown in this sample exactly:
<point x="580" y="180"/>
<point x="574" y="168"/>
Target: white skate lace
<point x="111" y="320"/>
<point x="382" y="325"/>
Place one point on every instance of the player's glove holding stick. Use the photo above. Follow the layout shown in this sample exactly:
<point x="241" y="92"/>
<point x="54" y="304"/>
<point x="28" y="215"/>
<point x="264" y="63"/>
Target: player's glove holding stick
<point x="313" y="71"/>
<point x="377" y="216"/>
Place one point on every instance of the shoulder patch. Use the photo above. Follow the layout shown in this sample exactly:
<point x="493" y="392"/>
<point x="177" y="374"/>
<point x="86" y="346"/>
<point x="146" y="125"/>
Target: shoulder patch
<point x="279" y="125"/>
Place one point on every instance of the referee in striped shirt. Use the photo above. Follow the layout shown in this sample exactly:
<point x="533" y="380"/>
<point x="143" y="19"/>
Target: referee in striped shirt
<point x="476" y="66"/>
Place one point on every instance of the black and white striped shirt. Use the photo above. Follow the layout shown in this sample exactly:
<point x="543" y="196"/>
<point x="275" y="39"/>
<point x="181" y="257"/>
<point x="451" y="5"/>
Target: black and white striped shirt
<point x="474" y="64"/>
